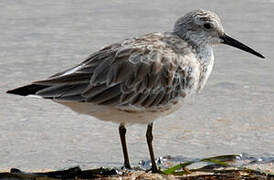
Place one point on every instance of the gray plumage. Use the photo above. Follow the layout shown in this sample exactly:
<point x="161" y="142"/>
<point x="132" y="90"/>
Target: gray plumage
<point x="144" y="70"/>
<point x="149" y="73"/>
<point x="140" y="79"/>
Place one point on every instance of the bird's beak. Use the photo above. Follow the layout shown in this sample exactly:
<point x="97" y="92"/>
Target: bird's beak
<point x="233" y="42"/>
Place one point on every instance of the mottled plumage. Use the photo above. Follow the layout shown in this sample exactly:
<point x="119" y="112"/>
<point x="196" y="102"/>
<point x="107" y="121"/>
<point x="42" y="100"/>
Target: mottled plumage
<point x="140" y="79"/>
<point x="150" y="73"/>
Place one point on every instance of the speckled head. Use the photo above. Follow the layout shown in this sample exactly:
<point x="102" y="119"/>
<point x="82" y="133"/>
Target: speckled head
<point x="201" y="28"/>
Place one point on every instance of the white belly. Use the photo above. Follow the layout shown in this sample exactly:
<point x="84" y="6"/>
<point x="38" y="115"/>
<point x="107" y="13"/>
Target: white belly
<point x="120" y="115"/>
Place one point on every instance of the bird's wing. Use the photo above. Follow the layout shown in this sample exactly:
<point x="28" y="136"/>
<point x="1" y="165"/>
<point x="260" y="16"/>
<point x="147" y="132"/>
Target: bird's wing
<point x="138" y="72"/>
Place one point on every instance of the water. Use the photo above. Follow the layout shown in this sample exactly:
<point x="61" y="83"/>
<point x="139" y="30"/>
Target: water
<point x="234" y="114"/>
<point x="262" y="163"/>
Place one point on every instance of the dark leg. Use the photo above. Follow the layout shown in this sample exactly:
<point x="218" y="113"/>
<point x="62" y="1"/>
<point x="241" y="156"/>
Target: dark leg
<point x="149" y="143"/>
<point x="122" y="131"/>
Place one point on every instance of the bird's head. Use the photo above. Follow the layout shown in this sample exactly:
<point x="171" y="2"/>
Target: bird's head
<point x="201" y="27"/>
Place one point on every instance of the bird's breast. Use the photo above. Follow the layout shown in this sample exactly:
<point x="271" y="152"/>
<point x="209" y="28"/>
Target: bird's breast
<point x="206" y="61"/>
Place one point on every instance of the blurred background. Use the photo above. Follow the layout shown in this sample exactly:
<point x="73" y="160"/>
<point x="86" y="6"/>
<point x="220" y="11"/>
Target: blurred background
<point x="233" y="114"/>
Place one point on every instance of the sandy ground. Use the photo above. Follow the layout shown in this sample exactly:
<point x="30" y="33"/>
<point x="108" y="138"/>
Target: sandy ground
<point x="233" y="114"/>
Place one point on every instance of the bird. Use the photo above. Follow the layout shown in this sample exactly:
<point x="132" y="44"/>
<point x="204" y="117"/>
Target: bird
<point x="140" y="79"/>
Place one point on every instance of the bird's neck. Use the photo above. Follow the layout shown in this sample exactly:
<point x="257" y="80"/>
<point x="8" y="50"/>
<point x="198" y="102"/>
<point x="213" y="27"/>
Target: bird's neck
<point x="202" y="49"/>
<point x="204" y="55"/>
<point x="195" y="40"/>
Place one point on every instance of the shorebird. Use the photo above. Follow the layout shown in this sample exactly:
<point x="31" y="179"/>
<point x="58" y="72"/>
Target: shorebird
<point x="140" y="79"/>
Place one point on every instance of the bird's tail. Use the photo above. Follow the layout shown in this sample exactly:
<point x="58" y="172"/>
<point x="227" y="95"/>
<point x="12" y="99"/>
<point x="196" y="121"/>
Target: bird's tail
<point x="30" y="89"/>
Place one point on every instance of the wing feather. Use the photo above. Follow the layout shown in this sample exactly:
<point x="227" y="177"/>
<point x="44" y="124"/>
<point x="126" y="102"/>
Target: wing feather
<point x="105" y="95"/>
<point x="70" y="79"/>
<point x="138" y="72"/>
<point x="62" y="90"/>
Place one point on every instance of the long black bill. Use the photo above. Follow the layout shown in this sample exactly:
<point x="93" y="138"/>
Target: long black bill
<point x="233" y="42"/>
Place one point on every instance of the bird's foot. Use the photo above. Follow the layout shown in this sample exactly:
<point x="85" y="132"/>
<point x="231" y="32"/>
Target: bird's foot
<point x="154" y="170"/>
<point x="126" y="167"/>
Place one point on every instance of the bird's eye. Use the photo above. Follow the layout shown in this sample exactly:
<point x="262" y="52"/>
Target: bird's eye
<point x="207" y="25"/>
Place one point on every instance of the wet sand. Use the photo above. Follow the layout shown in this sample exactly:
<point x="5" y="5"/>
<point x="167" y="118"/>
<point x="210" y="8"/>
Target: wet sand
<point x="233" y="114"/>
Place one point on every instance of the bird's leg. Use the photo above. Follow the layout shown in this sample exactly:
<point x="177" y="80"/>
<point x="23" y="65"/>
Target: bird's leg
<point x="122" y="132"/>
<point x="149" y="137"/>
